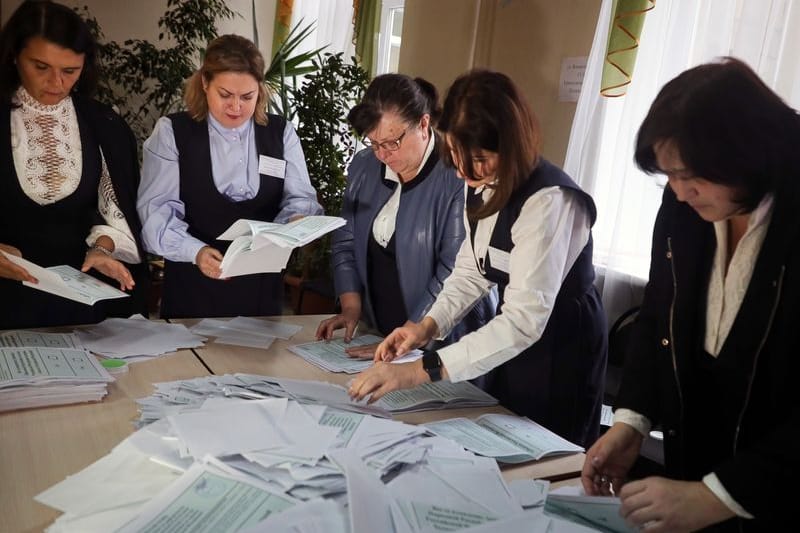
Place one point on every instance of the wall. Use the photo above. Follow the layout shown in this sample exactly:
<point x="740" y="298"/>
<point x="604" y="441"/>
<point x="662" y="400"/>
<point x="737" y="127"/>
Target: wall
<point x="525" y="39"/>
<point x="138" y="19"/>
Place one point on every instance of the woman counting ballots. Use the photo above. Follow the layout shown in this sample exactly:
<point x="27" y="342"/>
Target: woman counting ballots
<point x="68" y="172"/>
<point x="529" y="232"/>
<point x="404" y="212"/>
<point x="713" y="358"/>
<point x="222" y="159"/>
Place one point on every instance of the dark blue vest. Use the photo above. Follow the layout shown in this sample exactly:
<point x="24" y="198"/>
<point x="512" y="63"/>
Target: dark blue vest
<point x="187" y="292"/>
<point x="558" y="381"/>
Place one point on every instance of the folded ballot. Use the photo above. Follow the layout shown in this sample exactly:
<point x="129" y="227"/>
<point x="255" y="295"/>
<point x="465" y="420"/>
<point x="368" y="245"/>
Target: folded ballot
<point x="67" y="282"/>
<point x="266" y="246"/>
<point x="506" y="438"/>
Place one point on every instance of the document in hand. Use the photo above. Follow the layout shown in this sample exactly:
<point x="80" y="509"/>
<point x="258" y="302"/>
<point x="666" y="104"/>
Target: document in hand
<point x="67" y="282"/>
<point x="507" y="438"/>
<point x="597" y="512"/>
<point x="266" y="246"/>
<point x="439" y="395"/>
<point x="331" y="355"/>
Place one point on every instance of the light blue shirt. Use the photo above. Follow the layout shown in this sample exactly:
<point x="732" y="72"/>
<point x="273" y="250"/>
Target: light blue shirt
<point x="234" y="166"/>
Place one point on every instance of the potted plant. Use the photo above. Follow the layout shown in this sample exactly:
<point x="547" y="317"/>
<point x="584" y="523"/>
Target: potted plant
<point x="321" y="105"/>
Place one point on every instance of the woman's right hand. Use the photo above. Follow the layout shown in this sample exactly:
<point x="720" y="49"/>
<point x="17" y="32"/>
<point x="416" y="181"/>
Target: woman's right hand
<point x="404" y="339"/>
<point x="609" y="460"/>
<point x="348" y="318"/>
<point x="11" y="270"/>
<point x="209" y="261"/>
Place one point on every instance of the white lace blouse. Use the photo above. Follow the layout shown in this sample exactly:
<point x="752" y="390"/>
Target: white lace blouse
<point x="47" y="152"/>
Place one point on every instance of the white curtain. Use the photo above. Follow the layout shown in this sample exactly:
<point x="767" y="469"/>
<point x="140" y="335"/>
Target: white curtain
<point x="334" y="25"/>
<point x="677" y="35"/>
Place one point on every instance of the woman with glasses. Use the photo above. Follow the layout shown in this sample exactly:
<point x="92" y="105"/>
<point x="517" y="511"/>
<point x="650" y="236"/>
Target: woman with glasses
<point x="404" y="213"/>
<point x="544" y="354"/>
<point x="223" y="159"/>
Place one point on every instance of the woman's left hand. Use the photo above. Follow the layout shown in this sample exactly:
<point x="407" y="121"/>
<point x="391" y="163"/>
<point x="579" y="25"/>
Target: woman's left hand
<point x="382" y="377"/>
<point x="658" y="504"/>
<point x="105" y="264"/>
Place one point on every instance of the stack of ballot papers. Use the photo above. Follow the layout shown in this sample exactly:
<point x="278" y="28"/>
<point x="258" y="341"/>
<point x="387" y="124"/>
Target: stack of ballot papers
<point x="32" y="376"/>
<point x="600" y="512"/>
<point x="506" y="438"/>
<point x="277" y="465"/>
<point x="245" y="331"/>
<point x="136" y="338"/>
<point x="331" y="355"/>
<point x="266" y="246"/>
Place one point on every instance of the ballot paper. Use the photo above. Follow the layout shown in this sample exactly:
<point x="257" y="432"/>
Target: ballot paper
<point x="331" y="355"/>
<point x="597" y="512"/>
<point x="36" y="376"/>
<point x="266" y="246"/>
<point x="439" y="395"/>
<point x="245" y="331"/>
<point x="67" y="282"/>
<point x="506" y="438"/>
<point x="20" y="338"/>
<point x="136" y="338"/>
<point x="204" y="500"/>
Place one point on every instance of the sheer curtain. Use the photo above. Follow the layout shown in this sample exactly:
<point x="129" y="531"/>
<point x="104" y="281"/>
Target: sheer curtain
<point x="334" y="25"/>
<point x="677" y="35"/>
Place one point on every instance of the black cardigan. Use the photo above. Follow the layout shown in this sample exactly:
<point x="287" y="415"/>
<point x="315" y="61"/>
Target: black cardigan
<point x="754" y="455"/>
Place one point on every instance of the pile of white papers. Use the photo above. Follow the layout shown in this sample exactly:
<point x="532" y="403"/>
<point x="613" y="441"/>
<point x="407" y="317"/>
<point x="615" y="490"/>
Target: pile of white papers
<point x="245" y="331"/>
<point x="136" y="338"/>
<point x="37" y="376"/>
<point x="331" y="355"/>
<point x="508" y="439"/>
<point x="223" y="463"/>
<point x="600" y="512"/>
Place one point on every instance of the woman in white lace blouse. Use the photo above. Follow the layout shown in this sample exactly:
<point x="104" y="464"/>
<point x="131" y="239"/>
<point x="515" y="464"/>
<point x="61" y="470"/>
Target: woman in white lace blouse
<point x="68" y="171"/>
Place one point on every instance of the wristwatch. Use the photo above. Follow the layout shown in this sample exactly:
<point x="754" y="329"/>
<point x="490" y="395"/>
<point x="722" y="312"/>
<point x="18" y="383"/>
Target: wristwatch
<point x="432" y="365"/>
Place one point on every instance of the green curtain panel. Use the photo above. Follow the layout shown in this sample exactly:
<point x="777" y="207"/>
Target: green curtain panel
<point x="627" y="19"/>
<point x="366" y="26"/>
<point x="283" y="22"/>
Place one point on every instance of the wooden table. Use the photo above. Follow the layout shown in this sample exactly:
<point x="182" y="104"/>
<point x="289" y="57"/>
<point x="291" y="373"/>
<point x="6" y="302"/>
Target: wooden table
<point x="278" y="361"/>
<point x="40" y="447"/>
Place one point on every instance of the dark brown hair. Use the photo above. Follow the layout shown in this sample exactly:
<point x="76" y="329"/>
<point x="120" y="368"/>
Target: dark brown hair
<point x="485" y="110"/>
<point x="729" y="128"/>
<point x="55" y="23"/>
<point x="410" y="98"/>
<point x="227" y="53"/>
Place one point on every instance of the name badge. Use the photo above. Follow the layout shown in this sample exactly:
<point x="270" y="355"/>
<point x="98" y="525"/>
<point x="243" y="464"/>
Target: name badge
<point x="499" y="259"/>
<point x="271" y="166"/>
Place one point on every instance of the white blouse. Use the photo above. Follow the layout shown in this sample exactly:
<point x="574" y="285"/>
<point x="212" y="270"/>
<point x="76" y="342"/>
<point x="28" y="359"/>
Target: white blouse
<point x="48" y="158"/>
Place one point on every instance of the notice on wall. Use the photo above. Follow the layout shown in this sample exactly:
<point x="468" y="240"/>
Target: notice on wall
<point x="571" y="79"/>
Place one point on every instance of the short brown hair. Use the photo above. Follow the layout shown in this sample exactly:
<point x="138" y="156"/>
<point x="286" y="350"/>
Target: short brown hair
<point x="227" y="53"/>
<point x="484" y="110"/>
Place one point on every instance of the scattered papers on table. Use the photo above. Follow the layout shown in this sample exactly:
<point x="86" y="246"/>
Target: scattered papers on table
<point x="245" y="331"/>
<point x="136" y="338"/>
<point x="37" y="376"/>
<point x="67" y="282"/>
<point x="507" y="438"/>
<point x="331" y="355"/>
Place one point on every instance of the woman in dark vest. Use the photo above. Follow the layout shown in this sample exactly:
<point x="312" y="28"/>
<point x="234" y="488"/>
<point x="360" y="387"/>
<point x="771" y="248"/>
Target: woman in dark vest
<point x="68" y="172"/>
<point x="223" y="159"/>
<point x="529" y="233"/>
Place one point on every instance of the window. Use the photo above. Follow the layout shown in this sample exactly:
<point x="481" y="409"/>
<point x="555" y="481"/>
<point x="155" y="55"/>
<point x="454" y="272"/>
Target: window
<point x="390" y="35"/>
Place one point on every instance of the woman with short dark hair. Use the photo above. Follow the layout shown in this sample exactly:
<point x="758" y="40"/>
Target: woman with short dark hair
<point x="68" y="171"/>
<point x="223" y="159"/>
<point x="713" y="356"/>
<point x="544" y="354"/>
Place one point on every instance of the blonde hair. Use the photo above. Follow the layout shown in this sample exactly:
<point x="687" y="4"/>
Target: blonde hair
<point x="227" y="53"/>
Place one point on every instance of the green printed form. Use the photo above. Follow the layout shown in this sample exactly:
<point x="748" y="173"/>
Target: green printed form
<point x="218" y="504"/>
<point x="22" y="363"/>
<point x="347" y="422"/>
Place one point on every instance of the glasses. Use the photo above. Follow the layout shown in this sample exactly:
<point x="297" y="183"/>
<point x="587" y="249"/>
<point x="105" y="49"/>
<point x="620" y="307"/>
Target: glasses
<point x="390" y="146"/>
